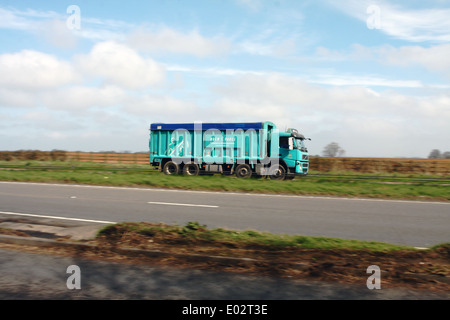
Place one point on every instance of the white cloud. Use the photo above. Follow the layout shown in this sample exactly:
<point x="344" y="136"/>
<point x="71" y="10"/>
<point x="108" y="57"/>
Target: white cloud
<point x="52" y="26"/>
<point x="10" y="20"/>
<point x="30" y="13"/>
<point x="56" y="33"/>
<point x="24" y="20"/>
<point x="32" y="78"/>
<point x="364" y="123"/>
<point x="272" y="48"/>
<point x="292" y="92"/>
<point x="433" y="58"/>
<point x="252" y="4"/>
<point x="366" y="81"/>
<point x="168" y="40"/>
<point x="398" y="125"/>
<point x="30" y="69"/>
<point x="157" y="107"/>
<point x="213" y="71"/>
<point x="120" y="65"/>
<point x="80" y="98"/>
<point x="415" y="25"/>
<point x="17" y="98"/>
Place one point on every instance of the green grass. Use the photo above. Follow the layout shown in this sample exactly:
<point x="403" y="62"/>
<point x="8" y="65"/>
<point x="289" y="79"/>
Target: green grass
<point x="364" y="185"/>
<point x="195" y="233"/>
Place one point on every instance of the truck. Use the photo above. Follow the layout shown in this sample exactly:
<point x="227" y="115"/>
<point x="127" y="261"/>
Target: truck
<point x="242" y="149"/>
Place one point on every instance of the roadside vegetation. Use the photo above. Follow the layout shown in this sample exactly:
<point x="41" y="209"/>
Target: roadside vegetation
<point x="146" y="235"/>
<point x="334" y="183"/>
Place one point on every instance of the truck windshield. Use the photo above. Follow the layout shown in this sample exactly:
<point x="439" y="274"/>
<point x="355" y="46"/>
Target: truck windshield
<point x="300" y="145"/>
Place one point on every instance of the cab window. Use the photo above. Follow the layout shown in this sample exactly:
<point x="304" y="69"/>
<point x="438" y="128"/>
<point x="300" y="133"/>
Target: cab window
<point x="284" y="142"/>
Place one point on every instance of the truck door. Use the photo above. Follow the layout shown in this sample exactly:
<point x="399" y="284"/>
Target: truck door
<point x="287" y="151"/>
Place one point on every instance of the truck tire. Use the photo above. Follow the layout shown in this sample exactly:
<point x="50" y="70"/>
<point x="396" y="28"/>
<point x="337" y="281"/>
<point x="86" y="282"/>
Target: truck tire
<point x="244" y="171"/>
<point x="277" y="172"/>
<point x="171" y="168"/>
<point x="191" y="169"/>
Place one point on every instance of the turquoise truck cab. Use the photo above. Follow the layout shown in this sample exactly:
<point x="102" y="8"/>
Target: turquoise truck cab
<point x="243" y="149"/>
<point x="294" y="153"/>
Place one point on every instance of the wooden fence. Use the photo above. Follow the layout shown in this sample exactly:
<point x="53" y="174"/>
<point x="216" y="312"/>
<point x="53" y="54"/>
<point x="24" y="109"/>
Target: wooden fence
<point x="379" y="165"/>
<point x="104" y="157"/>
<point x="320" y="164"/>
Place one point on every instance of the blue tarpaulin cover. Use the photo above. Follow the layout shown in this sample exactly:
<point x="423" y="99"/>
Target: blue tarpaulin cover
<point x="206" y="126"/>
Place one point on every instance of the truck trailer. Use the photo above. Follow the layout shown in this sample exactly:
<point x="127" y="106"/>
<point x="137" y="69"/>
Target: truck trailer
<point x="243" y="149"/>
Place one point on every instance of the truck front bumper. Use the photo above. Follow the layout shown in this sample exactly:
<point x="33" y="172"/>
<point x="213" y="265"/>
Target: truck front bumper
<point x="300" y="170"/>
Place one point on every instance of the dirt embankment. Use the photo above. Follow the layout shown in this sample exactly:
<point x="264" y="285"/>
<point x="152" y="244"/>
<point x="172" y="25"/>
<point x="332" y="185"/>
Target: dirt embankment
<point x="420" y="270"/>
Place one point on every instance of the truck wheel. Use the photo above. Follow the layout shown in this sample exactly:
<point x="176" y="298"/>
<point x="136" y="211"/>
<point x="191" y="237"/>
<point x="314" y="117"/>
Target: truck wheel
<point x="171" y="168"/>
<point x="191" y="169"/>
<point x="277" y="172"/>
<point x="243" y="171"/>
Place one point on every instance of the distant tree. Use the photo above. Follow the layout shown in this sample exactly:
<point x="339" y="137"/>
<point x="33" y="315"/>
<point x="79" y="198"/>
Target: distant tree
<point x="333" y="150"/>
<point x="446" y="155"/>
<point x="434" y="154"/>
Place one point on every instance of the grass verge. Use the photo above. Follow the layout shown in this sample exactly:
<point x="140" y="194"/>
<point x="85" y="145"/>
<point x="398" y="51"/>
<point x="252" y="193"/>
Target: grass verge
<point x="146" y="234"/>
<point x="132" y="175"/>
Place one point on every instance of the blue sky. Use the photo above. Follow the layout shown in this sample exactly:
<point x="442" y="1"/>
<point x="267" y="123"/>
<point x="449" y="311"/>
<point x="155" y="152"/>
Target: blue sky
<point x="373" y="76"/>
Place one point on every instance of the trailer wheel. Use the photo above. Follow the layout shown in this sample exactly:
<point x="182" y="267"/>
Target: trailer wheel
<point x="277" y="172"/>
<point x="171" y="168"/>
<point x="191" y="169"/>
<point x="243" y="171"/>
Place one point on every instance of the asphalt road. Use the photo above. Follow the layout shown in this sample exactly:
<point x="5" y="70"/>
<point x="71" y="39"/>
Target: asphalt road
<point x="414" y="223"/>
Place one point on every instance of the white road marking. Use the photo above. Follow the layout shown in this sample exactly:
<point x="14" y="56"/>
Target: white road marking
<point x="183" y="204"/>
<point x="54" y="217"/>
